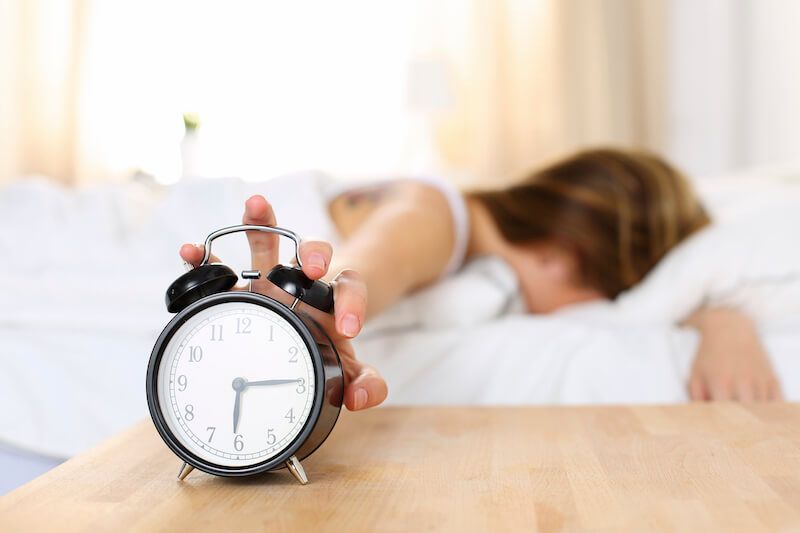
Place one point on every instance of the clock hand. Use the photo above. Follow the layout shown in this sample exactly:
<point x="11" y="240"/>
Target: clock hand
<point x="236" y="410"/>
<point x="238" y="385"/>
<point x="271" y="382"/>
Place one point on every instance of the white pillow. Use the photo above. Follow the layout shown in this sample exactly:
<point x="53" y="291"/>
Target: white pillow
<point x="751" y="264"/>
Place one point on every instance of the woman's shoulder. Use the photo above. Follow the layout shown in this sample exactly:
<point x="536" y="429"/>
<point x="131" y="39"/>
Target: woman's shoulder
<point x="351" y="203"/>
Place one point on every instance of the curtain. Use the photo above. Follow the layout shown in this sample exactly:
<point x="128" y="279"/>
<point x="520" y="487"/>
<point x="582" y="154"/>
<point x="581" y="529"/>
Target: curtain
<point x="93" y="90"/>
<point x="733" y="84"/>
<point x="40" y="54"/>
<point x="535" y="79"/>
<point x="482" y="90"/>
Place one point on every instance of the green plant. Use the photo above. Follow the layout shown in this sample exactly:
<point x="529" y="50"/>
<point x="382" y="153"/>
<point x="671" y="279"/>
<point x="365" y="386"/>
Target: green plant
<point x="191" y="122"/>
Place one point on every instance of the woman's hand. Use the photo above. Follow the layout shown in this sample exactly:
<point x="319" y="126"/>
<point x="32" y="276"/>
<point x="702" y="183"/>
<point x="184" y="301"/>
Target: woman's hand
<point x="364" y="387"/>
<point x="730" y="364"/>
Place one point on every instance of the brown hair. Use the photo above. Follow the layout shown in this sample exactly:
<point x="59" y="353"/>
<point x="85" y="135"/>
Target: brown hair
<point x="619" y="211"/>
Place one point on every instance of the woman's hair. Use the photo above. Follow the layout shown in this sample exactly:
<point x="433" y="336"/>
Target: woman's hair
<point x="618" y="211"/>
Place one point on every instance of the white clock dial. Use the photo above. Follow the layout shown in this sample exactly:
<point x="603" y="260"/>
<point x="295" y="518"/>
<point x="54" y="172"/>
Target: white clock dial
<point x="236" y="384"/>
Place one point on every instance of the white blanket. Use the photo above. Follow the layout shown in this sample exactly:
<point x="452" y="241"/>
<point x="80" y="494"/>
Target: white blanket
<point x="84" y="274"/>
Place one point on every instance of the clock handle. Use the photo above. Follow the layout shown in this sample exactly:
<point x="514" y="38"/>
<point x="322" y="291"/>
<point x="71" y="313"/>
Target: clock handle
<point x="292" y="280"/>
<point x="289" y="234"/>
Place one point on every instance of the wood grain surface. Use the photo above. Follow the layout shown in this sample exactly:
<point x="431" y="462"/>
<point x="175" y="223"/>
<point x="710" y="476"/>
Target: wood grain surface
<point x="720" y="467"/>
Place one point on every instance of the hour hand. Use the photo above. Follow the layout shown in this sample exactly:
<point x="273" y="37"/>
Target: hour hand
<point x="272" y="382"/>
<point x="239" y="384"/>
<point x="236" y="410"/>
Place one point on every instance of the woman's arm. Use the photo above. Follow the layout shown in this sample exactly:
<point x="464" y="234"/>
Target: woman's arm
<point x="731" y="363"/>
<point x="398" y="236"/>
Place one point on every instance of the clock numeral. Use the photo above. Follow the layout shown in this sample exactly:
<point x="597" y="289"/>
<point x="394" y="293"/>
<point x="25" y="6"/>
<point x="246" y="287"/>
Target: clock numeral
<point x="212" y="429"/>
<point x="216" y="332"/>
<point x="271" y="333"/>
<point x="238" y="443"/>
<point x="182" y="382"/>
<point x="293" y="354"/>
<point x="301" y="386"/>
<point x="195" y="354"/>
<point x="271" y="438"/>
<point x="242" y="326"/>
<point x="188" y="413"/>
<point x="290" y="416"/>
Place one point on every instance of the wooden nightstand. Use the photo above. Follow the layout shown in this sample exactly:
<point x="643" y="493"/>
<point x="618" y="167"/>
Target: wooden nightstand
<point x="720" y="467"/>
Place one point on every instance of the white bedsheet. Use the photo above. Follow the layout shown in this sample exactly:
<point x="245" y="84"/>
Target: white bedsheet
<point x="84" y="273"/>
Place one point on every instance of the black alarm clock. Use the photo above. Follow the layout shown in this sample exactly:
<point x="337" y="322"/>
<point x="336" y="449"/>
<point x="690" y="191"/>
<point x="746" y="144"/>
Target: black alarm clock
<point x="239" y="383"/>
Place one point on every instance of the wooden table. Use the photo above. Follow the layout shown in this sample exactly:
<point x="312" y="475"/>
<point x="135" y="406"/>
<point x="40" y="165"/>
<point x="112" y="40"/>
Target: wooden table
<point x="702" y="467"/>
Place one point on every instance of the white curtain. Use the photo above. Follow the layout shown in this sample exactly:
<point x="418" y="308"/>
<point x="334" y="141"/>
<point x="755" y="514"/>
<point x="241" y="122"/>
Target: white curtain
<point x="40" y="55"/>
<point x="537" y="78"/>
<point x="733" y="83"/>
<point x="93" y="90"/>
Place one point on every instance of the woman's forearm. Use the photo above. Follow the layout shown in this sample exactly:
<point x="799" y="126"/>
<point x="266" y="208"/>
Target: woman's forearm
<point x="403" y="243"/>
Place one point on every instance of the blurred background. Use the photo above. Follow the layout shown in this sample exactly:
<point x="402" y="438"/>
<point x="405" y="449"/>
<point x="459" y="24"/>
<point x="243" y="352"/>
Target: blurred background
<point x="107" y="108"/>
<point x="94" y="91"/>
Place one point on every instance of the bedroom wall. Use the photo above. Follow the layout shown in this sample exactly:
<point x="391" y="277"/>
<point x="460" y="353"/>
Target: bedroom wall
<point x="482" y="91"/>
<point x="732" y="83"/>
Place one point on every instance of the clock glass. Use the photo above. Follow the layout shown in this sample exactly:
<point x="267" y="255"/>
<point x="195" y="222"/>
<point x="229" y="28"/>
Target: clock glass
<point x="236" y="384"/>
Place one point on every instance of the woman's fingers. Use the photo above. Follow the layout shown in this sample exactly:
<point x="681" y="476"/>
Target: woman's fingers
<point x="366" y="389"/>
<point x="350" y="297"/>
<point x="774" y="391"/>
<point x="748" y="392"/>
<point x="193" y="254"/>
<point x="263" y="246"/>
<point x="721" y="390"/>
<point x="697" y="390"/>
<point x="315" y="256"/>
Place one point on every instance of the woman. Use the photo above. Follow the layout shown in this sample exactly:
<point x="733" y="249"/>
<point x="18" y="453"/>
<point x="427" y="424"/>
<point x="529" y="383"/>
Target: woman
<point x="585" y="228"/>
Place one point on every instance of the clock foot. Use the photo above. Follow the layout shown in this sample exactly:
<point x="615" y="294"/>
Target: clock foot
<point x="186" y="469"/>
<point x="297" y="470"/>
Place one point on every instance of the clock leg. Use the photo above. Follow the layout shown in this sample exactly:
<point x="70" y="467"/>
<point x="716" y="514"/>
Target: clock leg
<point x="186" y="469"/>
<point x="297" y="470"/>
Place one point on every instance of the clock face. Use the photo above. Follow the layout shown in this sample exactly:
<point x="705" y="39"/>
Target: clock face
<point x="236" y="384"/>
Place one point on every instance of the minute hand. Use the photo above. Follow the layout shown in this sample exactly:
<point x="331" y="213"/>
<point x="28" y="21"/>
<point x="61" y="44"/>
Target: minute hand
<point x="271" y="382"/>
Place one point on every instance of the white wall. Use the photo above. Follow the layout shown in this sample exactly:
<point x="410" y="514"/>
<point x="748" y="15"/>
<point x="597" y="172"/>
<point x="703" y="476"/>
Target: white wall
<point x="733" y="94"/>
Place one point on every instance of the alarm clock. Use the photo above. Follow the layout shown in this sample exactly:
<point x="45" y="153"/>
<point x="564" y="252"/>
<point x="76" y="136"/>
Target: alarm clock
<point x="240" y="383"/>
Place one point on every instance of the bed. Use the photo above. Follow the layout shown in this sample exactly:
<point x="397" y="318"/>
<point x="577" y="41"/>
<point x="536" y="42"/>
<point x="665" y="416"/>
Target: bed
<point x="85" y="272"/>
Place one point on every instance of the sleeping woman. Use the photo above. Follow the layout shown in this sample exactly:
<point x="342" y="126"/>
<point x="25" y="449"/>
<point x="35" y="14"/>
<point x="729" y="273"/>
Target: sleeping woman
<point x="585" y="228"/>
